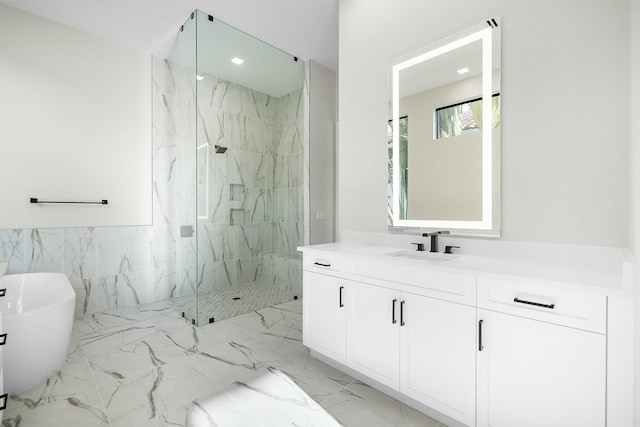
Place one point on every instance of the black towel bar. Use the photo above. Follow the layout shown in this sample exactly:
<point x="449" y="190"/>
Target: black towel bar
<point x="35" y="200"/>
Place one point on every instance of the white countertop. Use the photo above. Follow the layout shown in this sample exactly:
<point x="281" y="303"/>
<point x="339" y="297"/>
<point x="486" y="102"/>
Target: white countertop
<point x="607" y="271"/>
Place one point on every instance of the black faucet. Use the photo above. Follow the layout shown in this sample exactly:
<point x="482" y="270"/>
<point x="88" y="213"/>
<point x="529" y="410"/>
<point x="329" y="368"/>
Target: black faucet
<point x="420" y="247"/>
<point x="434" y="239"/>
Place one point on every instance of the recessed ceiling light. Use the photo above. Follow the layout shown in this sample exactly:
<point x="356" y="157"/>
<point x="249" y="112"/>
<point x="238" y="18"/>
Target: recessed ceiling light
<point x="199" y="77"/>
<point x="237" y="61"/>
<point x="463" y="70"/>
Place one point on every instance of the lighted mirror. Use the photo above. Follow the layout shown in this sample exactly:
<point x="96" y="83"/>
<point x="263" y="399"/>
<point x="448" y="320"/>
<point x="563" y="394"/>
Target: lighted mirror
<point x="444" y="158"/>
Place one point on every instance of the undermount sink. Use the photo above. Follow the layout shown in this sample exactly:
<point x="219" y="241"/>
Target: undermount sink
<point x="423" y="256"/>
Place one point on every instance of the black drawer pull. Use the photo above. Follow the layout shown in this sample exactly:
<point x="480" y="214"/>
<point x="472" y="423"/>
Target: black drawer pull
<point x="393" y="311"/>
<point x="322" y="264"/>
<point x="480" y="346"/>
<point x="3" y="339"/>
<point x="3" y="292"/>
<point x="341" y="304"/>
<point x="3" y="401"/>
<point x="537" y="304"/>
<point x="402" y="313"/>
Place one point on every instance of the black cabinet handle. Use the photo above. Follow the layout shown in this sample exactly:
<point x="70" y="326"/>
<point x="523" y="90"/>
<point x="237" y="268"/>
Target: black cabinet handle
<point x="340" y="291"/>
<point x="322" y="264"/>
<point x="480" y="346"/>
<point x="393" y="311"/>
<point x="3" y="292"/>
<point x="537" y="304"/>
<point x="402" y="313"/>
<point x="3" y="401"/>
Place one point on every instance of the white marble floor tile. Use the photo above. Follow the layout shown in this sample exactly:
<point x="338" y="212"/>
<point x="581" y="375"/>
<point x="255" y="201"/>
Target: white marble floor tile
<point x="354" y="411"/>
<point x="215" y="410"/>
<point x="222" y="332"/>
<point x="109" y="340"/>
<point x="133" y="358"/>
<point x="294" y="306"/>
<point x="276" y="400"/>
<point x="391" y="406"/>
<point x="228" y="362"/>
<point x="328" y="371"/>
<point x="73" y="380"/>
<point x="83" y="409"/>
<point x="131" y="401"/>
<point x="90" y="323"/>
<point x="271" y="320"/>
<point x="313" y="382"/>
<point x="170" y="322"/>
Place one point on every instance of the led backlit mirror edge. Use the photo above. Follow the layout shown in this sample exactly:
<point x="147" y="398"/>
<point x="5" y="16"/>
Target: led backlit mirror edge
<point x="485" y="34"/>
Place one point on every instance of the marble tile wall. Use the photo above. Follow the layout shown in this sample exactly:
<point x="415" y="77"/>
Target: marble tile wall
<point x="109" y="267"/>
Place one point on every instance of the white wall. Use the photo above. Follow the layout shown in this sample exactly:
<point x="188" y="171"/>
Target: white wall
<point x="634" y="113"/>
<point x="75" y="124"/>
<point x="565" y="133"/>
<point x="322" y="94"/>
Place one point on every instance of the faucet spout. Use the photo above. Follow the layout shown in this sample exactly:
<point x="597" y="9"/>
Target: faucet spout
<point x="434" y="239"/>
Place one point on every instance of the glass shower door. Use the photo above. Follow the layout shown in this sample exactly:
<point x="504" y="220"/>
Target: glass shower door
<point x="237" y="106"/>
<point x="249" y="155"/>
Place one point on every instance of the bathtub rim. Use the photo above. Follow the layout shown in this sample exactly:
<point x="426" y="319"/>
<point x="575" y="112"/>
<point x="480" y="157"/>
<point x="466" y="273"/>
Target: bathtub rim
<point x="64" y="299"/>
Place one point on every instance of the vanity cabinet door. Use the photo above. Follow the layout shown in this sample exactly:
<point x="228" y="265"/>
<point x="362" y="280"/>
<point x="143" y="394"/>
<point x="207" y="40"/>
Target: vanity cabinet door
<point x="324" y="314"/>
<point x="533" y="374"/>
<point x="438" y="355"/>
<point x="373" y="333"/>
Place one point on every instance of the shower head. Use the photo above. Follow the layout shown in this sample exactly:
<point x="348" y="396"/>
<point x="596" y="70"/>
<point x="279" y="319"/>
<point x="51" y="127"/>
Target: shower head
<point x="219" y="149"/>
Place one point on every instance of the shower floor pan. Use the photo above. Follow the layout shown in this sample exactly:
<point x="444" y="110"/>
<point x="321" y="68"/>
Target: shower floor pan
<point x="233" y="301"/>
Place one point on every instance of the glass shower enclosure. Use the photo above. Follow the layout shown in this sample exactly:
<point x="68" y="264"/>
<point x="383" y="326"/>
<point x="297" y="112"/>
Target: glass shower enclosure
<point x="240" y="109"/>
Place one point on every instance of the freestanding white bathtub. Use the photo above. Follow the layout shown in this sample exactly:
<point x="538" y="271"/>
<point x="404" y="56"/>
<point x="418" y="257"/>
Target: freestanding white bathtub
<point x="37" y="312"/>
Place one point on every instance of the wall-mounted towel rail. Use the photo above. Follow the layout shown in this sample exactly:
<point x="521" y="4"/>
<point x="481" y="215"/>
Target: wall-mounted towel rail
<point x="35" y="200"/>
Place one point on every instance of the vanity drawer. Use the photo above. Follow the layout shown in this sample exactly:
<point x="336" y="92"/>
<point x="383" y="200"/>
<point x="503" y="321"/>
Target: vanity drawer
<point x="562" y="307"/>
<point x="324" y="262"/>
<point x="453" y="287"/>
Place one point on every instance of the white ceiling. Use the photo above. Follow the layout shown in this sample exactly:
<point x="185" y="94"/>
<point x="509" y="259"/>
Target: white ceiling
<point x="307" y="29"/>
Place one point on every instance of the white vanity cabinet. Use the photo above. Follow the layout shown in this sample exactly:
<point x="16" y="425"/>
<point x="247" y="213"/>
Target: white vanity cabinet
<point x="373" y="334"/>
<point x="324" y="302"/>
<point x="403" y="333"/>
<point x="533" y="374"/>
<point x="474" y="347"/>
<point x="437" y="355"/>
<point x="421" y="346"/>
<point x="541" y="357"/>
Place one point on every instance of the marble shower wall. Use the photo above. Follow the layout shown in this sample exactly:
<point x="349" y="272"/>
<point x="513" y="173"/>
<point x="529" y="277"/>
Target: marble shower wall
<point x="250" y="198"/>
<point x="115" y="267"/>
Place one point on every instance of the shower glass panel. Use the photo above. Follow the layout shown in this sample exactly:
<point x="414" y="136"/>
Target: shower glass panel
<point x="248" y="199"/>
<point x="181" y="104"/>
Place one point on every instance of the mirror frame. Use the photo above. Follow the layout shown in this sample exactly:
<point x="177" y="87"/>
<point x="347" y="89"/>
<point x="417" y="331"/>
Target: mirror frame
<point x="484" y="32"/>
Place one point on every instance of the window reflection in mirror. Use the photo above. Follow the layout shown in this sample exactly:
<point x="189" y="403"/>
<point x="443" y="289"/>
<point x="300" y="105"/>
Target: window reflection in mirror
<point x="464" y="117"/>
